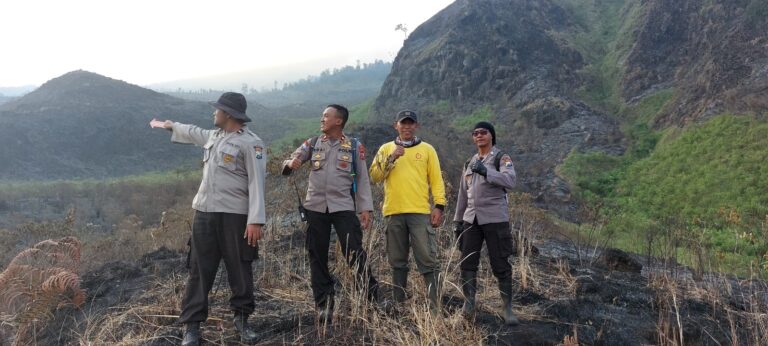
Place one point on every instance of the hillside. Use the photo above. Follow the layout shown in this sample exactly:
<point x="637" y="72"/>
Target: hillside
<point x="633" y="124"/>
<point x="595" y="99"/>
<point x="4" y="99"/>
<point x="84" y="125"/>
<point x="564" y="75"/>
<point x="512" y="70"/>
<point x="133" y="276"/>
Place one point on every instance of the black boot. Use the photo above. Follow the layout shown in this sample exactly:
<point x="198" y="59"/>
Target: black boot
<point x="505" y="287"/>
<point x="373" y="294"/>
<point x="469" y="288"/>
<point x="431" y="280"/>
<point x="400" y="282"/>
<point x="325" y="311"/>
<point x="191" y="334"/>
<point x="247" y="334"/>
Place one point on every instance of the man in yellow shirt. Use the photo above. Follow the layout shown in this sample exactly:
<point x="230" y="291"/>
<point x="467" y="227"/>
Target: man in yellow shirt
<point x="410" y="170"/>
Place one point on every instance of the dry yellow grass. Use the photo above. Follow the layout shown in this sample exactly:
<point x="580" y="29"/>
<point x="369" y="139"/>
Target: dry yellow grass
<point x="285" y="312"/>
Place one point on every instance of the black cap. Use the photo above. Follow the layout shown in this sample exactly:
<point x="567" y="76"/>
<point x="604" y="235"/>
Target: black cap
<point x="232" y="103"/>
<point x="486" y="125"/>
<point x="407" y="114"/>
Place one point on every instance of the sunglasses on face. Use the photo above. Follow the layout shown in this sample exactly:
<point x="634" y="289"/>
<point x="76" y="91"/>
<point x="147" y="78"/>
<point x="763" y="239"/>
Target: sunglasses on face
<point x="476" y="133"/>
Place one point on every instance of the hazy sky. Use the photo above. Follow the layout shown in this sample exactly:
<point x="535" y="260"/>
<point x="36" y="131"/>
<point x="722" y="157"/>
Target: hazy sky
<point x="145" y="42"/>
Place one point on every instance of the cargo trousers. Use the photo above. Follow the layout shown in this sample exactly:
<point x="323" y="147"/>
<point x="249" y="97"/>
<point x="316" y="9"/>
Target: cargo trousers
<point x="411" y="231"/>
<point x="217" y="236"/>
<point x="350" y="237"/>
<point x="498" y="240"/>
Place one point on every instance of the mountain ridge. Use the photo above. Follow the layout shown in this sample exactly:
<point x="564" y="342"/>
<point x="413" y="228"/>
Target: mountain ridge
<point x="73" y="124"/>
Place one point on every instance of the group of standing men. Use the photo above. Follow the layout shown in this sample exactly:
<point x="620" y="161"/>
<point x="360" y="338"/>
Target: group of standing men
<point x="230" y="211"/>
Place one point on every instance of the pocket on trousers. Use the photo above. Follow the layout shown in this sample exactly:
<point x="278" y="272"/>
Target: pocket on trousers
<point x="506" y="243"/>
<point x="432" y="240"/>
<point x="248" y="253"/>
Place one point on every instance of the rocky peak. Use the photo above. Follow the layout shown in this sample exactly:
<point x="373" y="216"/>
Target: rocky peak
<point x="559" y="75"/>
<point x="474" y="52"/>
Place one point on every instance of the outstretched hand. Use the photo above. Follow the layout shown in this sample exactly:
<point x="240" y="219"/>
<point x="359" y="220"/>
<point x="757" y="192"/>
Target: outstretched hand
<point x="167" y="124"/>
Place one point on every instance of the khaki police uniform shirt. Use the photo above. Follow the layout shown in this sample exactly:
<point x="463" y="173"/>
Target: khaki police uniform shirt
<point x="485" y="197"/>
<point x="331" y="177"/>
<point x="234" y="168"/>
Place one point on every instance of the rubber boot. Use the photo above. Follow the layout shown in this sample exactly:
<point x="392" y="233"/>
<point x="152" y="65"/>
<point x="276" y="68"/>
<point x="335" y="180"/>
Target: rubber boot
<point x="325" y="311"/>
<point x="247" y="334"/>
<point x="469" y="288"/>
<point x="505" y="288"/>
<point x="191" y="334"/>
<point x="431" y="280"/>
<point x="400" y="282"/>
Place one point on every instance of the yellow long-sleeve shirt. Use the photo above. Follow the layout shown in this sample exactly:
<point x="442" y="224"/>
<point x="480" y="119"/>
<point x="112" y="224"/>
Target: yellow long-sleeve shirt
<point x="408" y="180"/>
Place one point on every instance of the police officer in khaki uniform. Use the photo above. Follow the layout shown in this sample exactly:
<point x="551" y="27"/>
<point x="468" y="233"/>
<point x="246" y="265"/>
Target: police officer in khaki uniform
<point x="338" y="190"/>
<point x="482" y="214"/>
<point x="229" y="213"/>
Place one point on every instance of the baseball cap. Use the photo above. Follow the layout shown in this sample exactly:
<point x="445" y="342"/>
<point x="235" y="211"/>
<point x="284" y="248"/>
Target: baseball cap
<point x="407" y="114"/>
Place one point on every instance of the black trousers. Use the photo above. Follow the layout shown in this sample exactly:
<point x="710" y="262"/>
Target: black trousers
<point x="498" y="240"/>
<point x="216" y="236"/>
<point x="351" y="239"/>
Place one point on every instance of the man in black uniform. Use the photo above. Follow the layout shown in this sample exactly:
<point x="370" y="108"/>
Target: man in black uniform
<point x="482" y="214"/>
<point x="229" y="213"/>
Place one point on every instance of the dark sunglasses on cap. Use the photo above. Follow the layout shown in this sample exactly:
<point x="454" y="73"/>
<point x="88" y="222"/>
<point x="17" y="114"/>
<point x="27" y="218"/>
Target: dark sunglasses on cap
<point x="481" y="132"/>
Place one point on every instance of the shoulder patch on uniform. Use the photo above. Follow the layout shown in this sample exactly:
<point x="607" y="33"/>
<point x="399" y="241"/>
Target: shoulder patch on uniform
<point x="506" y="160"/>
<point x="259" y="152"/>
<point x="305" y="145"/>
<point x="361" y="151"/>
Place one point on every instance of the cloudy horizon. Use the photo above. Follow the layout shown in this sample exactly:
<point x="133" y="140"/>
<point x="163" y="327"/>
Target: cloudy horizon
<point x="159" y="43"/>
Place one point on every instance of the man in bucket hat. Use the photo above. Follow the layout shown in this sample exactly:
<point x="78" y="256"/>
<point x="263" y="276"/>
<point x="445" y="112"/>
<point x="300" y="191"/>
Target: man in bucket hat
<point x="229" y="213"/>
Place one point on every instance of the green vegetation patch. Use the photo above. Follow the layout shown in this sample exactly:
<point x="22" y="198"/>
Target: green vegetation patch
<point x="700" y="197"/>
<point x="603" y="35"/>
<point x="720" y="164"/>
<point x="484" y="113"/>
<point x="594" y="174"/>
